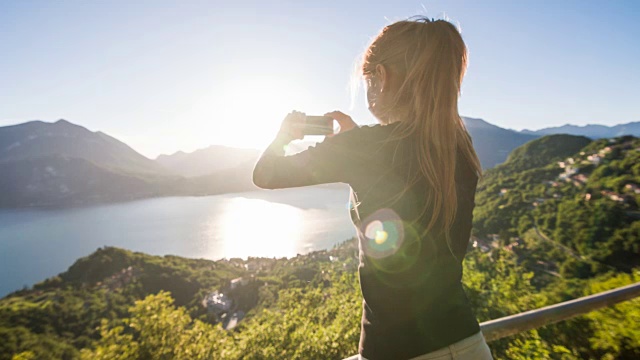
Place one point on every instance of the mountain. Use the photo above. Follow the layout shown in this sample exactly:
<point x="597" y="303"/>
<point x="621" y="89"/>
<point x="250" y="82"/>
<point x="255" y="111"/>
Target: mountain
<point x="542" y="151"/>
<point x="62" y="138"/>
<point x="591" y="131"/>
<point x="206" y="161"/>
<point x="54" y="164"/>
<point x="61" y="180"/>
<point x="230" y="169"/>
<point x="43" y="164"/>
<point x="492" y="143"/>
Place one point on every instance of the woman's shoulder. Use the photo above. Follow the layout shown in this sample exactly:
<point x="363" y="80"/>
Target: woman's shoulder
<point x="360" y="133"/>
<point x="372" y="130"/>
<point x="378" y="127"/>
<point x="367" y="140"/>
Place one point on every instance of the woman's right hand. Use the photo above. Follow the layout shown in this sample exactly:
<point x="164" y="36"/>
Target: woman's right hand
<point x="292" y="125"/>
<point x="344" y="120"/>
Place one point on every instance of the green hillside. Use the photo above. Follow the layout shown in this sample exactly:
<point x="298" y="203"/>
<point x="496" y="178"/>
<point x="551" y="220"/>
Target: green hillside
<point x="541" y="152"/>
<point x="577" y="213"/>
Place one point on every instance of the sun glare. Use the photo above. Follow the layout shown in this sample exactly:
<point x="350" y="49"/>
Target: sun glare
<point x="255" y="227"/>
<point x="250" y="111"/>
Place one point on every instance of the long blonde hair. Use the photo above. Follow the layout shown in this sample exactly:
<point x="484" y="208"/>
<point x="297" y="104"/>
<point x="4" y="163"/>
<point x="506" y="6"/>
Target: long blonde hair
<point x="429" y="59"/>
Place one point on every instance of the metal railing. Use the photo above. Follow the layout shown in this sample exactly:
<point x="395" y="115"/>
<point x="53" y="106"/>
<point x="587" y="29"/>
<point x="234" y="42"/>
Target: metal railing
<point x="510" y="325"/>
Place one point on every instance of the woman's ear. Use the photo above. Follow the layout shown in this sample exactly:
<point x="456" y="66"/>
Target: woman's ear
<point x="382" y="74"/>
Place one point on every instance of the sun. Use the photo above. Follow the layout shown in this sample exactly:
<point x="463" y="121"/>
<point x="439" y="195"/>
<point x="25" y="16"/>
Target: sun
<point x="249" y="112"/>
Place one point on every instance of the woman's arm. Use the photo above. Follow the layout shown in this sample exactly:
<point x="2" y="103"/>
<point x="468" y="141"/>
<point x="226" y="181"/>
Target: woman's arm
<point x="265" y="170"/>
<point x="332" y="160"/>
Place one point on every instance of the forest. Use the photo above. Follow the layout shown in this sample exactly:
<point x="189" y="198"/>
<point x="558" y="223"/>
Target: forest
<point x="557" y="221"/>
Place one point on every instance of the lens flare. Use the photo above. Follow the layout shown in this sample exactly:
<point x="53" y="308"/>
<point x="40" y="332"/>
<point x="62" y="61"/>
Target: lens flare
<point x="375" y="230"/>
<point x="383" y="233"/>
<point x="372" y="228"/>
<point x="398" y="253"/>
<point x="381" y="237"/>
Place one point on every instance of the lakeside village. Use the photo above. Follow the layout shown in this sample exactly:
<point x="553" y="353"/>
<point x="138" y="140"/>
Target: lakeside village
<point x="229" y="304"/>
<point x="259" y="281"/>
<point x="575" y="171"/>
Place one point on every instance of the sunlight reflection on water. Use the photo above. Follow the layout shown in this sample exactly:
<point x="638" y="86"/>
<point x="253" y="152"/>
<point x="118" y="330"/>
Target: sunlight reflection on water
<point x="260" y="228"/>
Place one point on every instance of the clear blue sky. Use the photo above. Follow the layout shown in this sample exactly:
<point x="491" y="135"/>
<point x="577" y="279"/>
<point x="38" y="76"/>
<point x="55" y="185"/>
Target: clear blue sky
<point x="180" y="75"/>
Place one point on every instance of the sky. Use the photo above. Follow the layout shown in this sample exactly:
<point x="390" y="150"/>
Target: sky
<point x="164" y="76"/>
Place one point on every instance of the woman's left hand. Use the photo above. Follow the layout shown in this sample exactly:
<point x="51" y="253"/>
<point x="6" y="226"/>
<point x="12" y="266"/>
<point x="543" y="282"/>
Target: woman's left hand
<point x="345" y="121"/>
<point x="292" y="125"/>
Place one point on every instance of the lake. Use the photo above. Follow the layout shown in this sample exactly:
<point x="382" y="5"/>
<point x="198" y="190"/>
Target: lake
<point x="39" y="243"/>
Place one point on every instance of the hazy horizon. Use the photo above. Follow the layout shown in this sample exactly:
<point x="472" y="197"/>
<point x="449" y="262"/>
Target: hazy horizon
<point x="165" y="76"/>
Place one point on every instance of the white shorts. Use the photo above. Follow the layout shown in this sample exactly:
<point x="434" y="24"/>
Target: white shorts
<point x="472" y="348"/>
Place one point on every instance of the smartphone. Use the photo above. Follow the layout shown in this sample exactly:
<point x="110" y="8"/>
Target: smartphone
<point x="318" y="125"/>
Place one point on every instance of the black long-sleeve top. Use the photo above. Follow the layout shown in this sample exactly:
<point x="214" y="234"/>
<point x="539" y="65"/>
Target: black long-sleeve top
<point x="413" y="302"/>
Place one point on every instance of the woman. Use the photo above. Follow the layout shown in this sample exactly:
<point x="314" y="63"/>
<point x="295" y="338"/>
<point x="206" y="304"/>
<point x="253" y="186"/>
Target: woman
<point x="413" y="178"/>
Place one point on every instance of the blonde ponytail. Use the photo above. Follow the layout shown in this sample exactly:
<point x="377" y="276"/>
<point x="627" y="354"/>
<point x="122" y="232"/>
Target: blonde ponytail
<point x="429" y="59"/>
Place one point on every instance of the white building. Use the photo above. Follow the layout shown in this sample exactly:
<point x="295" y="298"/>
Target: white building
<point x="594" y="159"/>
<point x="238" y="282"/>
<point x="632" y="187"/>
<point x="217" y="302"/>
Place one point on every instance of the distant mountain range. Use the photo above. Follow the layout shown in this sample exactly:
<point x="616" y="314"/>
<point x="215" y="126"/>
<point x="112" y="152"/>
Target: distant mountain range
<point x="44" y="164"/>
<point x="206" y="161"/>
<point x="590" y="131"/>
<point x="64" y="139"/>
<point x="493" y="143"/>
<point x="61" y="163"/>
